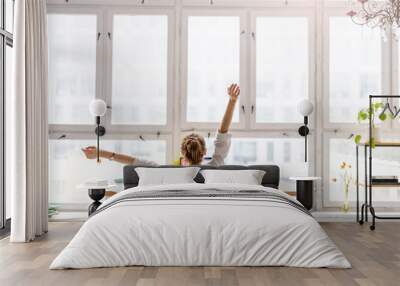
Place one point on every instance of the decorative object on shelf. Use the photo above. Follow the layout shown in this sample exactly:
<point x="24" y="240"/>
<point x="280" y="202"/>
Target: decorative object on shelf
<point x="380" y="110"/>
<point x="305" y="108"/>
<point x="385" y="180"/>
<point x="98" y="109"/>
<point x="372" y="13"/>
<point x="305" y="190"/>
<point x="96" y="191"/>
<point x="347" y="178"/>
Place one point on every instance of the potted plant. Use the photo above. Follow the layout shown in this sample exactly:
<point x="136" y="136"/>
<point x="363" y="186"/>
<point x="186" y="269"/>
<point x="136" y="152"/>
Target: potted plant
<point x="377" y="110"/>
<point x="52" y="211"/>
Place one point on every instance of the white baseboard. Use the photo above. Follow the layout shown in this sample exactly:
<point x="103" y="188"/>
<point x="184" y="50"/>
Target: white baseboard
<point x="334" y="216"/>
<point x="69" y="216"/>
<point x="320" y="216"/>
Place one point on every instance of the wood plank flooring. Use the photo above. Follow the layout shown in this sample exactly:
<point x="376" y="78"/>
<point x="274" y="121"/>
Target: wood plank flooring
<point x="375" y="257"/>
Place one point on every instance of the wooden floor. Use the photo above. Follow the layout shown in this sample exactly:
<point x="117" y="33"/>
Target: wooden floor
<point x="375" y="257"/>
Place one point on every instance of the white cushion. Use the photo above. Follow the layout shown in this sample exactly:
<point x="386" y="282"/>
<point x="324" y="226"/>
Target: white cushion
<point x="166" y="176"/>
<point x="248" y="177"/>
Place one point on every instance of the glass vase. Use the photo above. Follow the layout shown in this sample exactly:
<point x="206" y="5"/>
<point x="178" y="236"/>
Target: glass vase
<point x="346" y="205"/>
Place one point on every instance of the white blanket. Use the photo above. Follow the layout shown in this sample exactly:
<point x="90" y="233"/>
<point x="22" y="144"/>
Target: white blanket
<point x="200" y="231"/>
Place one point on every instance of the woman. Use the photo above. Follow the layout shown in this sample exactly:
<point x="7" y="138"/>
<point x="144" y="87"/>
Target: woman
<point x="193" y="147"/>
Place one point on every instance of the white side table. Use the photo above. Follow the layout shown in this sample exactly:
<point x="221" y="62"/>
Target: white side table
<point x="304" y="190"/>
<point x="96" y="193"/>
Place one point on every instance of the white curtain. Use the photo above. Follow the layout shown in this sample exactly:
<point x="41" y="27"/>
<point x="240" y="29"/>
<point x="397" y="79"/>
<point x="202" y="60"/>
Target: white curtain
<point x="28" y="123"/>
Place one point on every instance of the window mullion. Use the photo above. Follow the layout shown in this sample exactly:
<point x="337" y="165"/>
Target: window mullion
<point x="106" y="64"/>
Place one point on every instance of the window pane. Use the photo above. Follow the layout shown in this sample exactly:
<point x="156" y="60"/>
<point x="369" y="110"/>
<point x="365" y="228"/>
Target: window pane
<point x="287" y="153"/>
<point x="68" y="167"/>
<point x="282" y="67"/>
<point x="140" y="53"/>
<point x="9" y="15"/>
<point x="72" y="67"/>
<point x="386" y="162"/>
<point x="8" y="96"/>
<point x="355" y="68"/>
<point x="213" y="64"/>
<point x="398" y="55"/>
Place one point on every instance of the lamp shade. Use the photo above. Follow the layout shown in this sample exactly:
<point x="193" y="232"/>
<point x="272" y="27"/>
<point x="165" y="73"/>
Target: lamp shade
<point x="98" y="107"/>
<point x="305" y="107"/>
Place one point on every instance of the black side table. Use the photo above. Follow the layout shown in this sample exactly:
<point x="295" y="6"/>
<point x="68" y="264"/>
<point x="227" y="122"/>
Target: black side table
<point x="305" y="190"/>
<point x="96" y="195"/>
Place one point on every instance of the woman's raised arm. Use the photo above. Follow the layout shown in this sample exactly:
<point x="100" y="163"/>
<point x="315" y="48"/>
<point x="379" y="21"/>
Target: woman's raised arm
<point x="233" y="92"/>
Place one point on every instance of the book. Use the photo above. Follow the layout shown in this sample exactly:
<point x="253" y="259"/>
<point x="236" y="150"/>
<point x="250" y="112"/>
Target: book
<point x="385" y="180"/>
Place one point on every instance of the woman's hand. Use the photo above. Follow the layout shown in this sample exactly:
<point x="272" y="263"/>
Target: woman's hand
<point x="234" y="91"/>
<point x="90" y="152"/>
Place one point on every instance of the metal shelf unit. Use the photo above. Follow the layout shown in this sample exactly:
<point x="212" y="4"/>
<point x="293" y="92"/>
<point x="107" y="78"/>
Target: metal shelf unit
<point x="368" y="185"/>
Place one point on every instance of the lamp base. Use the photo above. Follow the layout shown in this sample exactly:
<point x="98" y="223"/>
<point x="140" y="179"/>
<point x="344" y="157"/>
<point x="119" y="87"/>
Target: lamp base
<point x="100" y="130"/>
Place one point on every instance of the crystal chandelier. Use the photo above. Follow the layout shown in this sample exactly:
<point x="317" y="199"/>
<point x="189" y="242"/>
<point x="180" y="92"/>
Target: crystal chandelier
<point x="383" y="14"/>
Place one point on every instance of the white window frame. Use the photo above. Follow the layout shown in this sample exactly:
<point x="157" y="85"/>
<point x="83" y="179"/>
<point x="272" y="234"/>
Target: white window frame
<point x="178" y="11"/>
<point x="283" y="12"/>
<point x="184" y="67"/>
<point x="74" y="10"/>
<point x="170" y="68"/>
<point x="137" y="3"/>
<point x="250" y="3"/>
<point x="336" y="11"/>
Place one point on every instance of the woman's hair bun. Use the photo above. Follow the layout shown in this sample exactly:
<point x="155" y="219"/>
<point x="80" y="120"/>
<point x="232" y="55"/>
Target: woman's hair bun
<point x="193" y="148"/>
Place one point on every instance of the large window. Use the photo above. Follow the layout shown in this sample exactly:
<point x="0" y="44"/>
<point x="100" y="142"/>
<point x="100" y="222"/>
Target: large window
<point x="72" y="67"/>
<point x="357" y="59"/>
<point x="355" y="68"/>
<point x="213" y="62"/>
<point x="68" y="167"/>
<point x="9" y="15"/>
<point x="6" y="69"/>
<point x="164" y="69"/>
<point x="139" y="69"/>
<point x="282" y="67"/>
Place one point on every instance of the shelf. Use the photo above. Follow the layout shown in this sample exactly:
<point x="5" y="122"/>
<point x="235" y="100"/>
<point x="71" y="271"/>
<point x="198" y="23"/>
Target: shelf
<point x="293" y="194"/>
<point x="383" y="144"/>
<point x="382" y="185"/>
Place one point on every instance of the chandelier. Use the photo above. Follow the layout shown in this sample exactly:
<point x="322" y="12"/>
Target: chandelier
<point x="383" y="14"/>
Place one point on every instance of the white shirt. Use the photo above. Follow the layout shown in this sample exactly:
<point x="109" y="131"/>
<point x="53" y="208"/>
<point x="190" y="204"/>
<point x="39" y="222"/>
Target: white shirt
<point x="222" y="144"/>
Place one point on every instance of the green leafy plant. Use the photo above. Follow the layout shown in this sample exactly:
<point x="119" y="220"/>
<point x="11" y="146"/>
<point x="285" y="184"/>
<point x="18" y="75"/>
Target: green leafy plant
<point x="52" y="211"/>
<point x="376" y="110"/>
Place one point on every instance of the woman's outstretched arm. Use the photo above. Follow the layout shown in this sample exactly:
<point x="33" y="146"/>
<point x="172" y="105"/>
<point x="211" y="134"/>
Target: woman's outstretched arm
<point x="91" y="153"/>
<point x="233" y="91"/>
